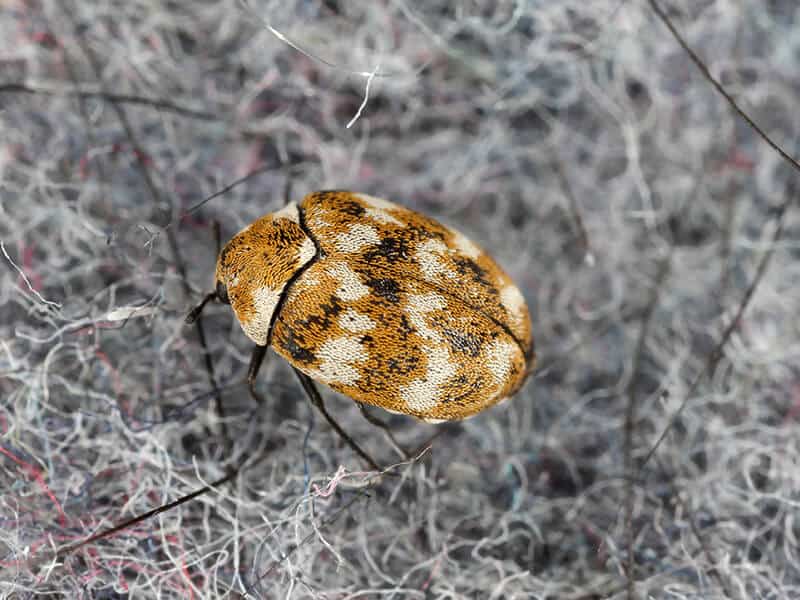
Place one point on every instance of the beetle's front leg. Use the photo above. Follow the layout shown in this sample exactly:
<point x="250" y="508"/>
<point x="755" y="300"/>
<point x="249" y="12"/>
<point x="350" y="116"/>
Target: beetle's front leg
<point x="256" y="358"/>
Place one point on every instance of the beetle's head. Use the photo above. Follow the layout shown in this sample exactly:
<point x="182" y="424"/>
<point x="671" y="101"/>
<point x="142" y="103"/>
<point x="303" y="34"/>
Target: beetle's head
<point x="255" y="266"/>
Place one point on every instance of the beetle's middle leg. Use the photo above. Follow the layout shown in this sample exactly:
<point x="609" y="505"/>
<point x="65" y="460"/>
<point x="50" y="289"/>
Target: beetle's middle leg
<point x="377" y="422"/>
<point x="316" y="400"/>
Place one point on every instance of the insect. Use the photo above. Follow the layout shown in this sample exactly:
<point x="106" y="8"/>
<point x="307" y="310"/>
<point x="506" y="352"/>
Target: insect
<point x="379" y="302"/>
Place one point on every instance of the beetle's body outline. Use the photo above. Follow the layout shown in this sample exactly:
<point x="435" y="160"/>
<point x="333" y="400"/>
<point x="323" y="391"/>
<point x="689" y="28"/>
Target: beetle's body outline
<point x="259" y="290"/>
<point x="380" y="303"/>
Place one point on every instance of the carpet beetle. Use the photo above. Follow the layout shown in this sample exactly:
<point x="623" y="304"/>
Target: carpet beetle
<point x="381" y="303"/>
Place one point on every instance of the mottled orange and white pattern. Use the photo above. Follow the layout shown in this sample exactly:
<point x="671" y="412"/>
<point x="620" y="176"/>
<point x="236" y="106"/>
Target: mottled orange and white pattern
<point x="382" y="304"/>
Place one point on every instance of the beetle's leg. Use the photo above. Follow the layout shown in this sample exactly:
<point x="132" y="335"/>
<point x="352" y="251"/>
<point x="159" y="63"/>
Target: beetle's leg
<point x="386" y="429"/>
<point x="256" y="358"/>
<point x="195" y="312"/>
<point x="316" y="400"/>
<point x="191" y="318"/>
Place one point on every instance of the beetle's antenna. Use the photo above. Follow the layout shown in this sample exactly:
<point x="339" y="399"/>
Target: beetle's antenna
<point x="315" y="398"/>
<point x="195" y="312"/>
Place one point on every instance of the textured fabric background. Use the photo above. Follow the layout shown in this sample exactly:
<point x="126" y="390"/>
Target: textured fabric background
<point x="574" y="140"/>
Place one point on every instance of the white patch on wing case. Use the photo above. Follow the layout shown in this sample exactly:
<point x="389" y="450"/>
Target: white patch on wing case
<point x="265" y="300"/>
<point x="465" y="246"/>
<point x="428" y="257"/>
<point x="336" y="356"/>
<point x="288" y="212"/>
<point x="356" y="238"/>
<point x="355" y="322"/>
<point x="350" y="286"/>
<point x="380" y="215"/>
<point x="377" y="202"/>
<point x="423" y="394"/>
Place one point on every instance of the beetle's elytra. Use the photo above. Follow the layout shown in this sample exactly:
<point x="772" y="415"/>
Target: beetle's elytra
<point x="381" y="303"/>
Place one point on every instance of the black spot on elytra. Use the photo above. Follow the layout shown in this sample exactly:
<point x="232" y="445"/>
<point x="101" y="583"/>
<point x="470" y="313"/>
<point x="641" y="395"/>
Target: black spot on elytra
<point x="284" y="235"/>
<point x="385" y="288"/>
<point x="374" y="383"/>
<point x="350" y="207"/>
<point x="428" y="230"/>
<point x="293" y="345"/>
<point x="405" y="328"/>
<point x="326" y="194"/>
<point x="462" y="342"/>
<point x="402" y="365"/>
<point x="340" y="200"/>
<point x="223" y="256"/>
<point x="460" y="388"/>
<point x="469" y="268"/>
<point x="391" y="249"/>
<point x="330" y="310"/>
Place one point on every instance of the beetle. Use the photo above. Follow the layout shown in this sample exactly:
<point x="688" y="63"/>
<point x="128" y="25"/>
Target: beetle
<point x="379" y="302"/>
